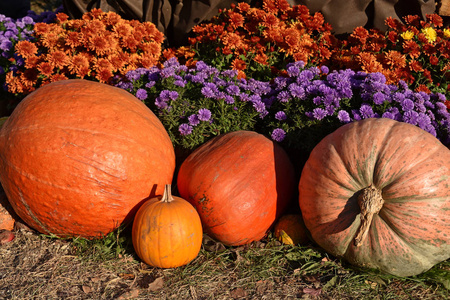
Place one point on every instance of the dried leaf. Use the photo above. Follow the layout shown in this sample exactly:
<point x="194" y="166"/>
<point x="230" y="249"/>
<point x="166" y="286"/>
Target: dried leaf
<point x="133" y="294"/>
<point x="86" y="289"/>
<point x="157" y="284"/>
<point x="238" y="293"/>
<point x="127" y="276"/>
<point x="6" y="236"/>
<point x="312" y="292"/>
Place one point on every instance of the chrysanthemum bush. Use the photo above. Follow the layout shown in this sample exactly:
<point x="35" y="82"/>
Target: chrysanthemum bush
<point x="258" y="41"/>
<point x="416" y="51"/>
<point x="310" y="102"/>
<point x="297" y="109"/>
<point x="199" y="102"/>
<point x="96" y="47"/>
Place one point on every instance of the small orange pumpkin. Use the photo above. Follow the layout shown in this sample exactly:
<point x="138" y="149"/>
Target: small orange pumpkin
<point x="7" y="215"/>
<point x="291" y="230"/>
<point x="167" y="231"/>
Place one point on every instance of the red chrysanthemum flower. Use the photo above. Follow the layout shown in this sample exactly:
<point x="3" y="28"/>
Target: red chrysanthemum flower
<point x="415" y="66"/>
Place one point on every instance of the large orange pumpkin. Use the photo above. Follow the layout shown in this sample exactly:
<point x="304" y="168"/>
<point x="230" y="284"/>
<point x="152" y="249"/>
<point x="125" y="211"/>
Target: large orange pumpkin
<point x="240" y="183"/>
<point x="377" y="193"/>
<point x="167" y="231"/>
<point x="77" y="157"/>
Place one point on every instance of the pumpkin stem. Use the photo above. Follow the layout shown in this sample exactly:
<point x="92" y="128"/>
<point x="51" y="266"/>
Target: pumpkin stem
<point x="370" y="201"/>
<point x="167" y="195"/>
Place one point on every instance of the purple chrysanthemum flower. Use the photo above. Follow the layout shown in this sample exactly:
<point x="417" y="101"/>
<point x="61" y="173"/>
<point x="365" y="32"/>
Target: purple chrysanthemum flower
<point x="366" y="111"/>
<point x="343" y="116"/>
<point x="398" y="97"/>
<point x="319" y="113"/>
<point x="378" y="98"/>
<point x="132" y="75"/>
<point x="150" y="84"/>
<point x="193" y="120"/>
<point x="228" y="99"/>
<point x="284" y="96"/>
<point x="411" y="117"/>
<point x="185" y="129"/>
<point x="407" y="105"/>
<point x="180" y="83"/>
<point x="204" y="114"/>
<point x="296" y="91"/>
<point x="317" y="100"/>
<point x="141" y="94"/>
<point x="388" y="115"/>
<point x="293" y="71"/>
<point x="278" y="134"/>
<point x="233" y="90"/>
<point x="173" y="95"/>
<point x="260" y="107"/>
<point x="208" y="92"/>
<point x="161" y="103"/>
<point x="324" y="69"/>
<point x="281" y="116"/>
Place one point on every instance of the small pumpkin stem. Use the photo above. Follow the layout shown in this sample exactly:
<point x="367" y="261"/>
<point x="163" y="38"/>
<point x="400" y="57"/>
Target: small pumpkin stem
<point x="167" y="196"/>
<point x="370" y="201"/>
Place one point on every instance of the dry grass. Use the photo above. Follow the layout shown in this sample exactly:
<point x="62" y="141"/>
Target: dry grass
<point x="36" y="266"/>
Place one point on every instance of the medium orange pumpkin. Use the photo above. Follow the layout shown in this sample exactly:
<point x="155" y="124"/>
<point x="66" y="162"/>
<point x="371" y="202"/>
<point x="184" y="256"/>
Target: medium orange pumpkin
<point x="376" y="192"/>
<point x="291" y="230"/>
<point x="77" y="158"/>
<point x="167" y="231"/>
<point x="240" y="183"/>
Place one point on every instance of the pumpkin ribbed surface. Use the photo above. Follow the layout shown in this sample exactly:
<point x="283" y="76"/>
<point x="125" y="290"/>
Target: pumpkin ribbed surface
<point x="240" y="183"/>
<point x="77" y="157"/>
<point x="377" y="193"/>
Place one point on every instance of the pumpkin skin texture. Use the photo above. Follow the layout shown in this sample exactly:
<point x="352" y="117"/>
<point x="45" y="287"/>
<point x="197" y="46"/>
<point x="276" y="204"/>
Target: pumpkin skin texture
<point x="406" y="170"/>
<point x="240" y="183"/>
<point x="167" y="231"/>
<point x="291" y="230"/>
<point x="78" y="157"/>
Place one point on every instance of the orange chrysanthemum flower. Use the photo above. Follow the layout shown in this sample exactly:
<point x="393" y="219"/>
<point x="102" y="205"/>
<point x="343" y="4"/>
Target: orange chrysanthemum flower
<point x="270" y="21"/>
<point x="99" y="44"/>
<point x="395" y="59"/>
<point x="58" y="59"/>
<point x="232" y="41"/>
<point x="26" y="49"/>
<point x="236" y="19"/>
<point x="31" y="62"/>
<point x="123" y="29"/>
<point x="238" y="64"/>
<point x="243" y="7"/>
<point x="112" y="18"/>
<point x="73" y="39"/>
<point x="369" y="63"/>
<point x="61" y="17"/>
<point x="41" y="28"/>
<point x="45" y="68"/>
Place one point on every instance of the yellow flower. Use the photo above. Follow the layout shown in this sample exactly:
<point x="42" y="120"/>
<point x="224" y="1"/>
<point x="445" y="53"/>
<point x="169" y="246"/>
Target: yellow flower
<point x="447" y="33"/>
<point x="430" y="34"/>
<point x="407" y="35"/>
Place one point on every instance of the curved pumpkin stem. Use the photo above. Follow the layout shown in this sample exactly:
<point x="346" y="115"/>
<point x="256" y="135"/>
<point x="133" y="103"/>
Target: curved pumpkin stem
<point x="370" y="201"/>
<point x="167" y="195"/>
